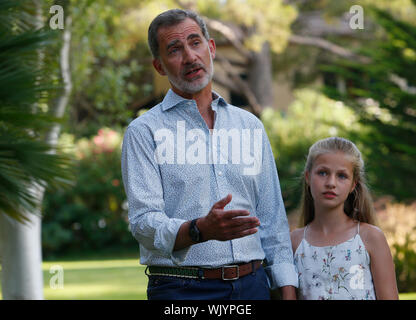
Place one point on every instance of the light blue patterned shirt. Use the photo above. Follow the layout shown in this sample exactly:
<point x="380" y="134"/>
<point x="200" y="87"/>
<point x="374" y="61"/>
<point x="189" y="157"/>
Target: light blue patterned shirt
<point x="174" y="169"/>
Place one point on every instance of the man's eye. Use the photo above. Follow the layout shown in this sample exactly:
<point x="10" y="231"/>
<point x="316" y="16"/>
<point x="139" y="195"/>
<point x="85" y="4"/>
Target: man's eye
<point x="173" y="50"/>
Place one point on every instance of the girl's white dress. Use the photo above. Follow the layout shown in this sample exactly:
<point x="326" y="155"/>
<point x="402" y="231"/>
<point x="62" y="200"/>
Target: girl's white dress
<point x="340" y="272"/>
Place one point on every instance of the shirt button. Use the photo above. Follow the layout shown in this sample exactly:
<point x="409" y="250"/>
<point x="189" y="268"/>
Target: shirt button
<point x="220" y="173"/>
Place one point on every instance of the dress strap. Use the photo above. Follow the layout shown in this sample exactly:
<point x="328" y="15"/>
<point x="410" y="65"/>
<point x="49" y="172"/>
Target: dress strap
<point x="358" y="228"/>
<point x="304" y="232"/>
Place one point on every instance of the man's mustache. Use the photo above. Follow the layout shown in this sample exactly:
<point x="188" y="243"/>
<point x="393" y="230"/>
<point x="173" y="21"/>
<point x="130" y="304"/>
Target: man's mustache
<point x="192" y="67"/>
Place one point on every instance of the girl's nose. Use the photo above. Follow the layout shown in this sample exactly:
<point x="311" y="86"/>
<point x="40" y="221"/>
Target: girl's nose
<point x="330" y="181"/>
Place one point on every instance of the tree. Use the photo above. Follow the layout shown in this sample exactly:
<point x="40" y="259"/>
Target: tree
<point x="113" y="65"/>
<point x="253" y="28"/>
<point x="28" y="158"/>
<point x="257" y="31"/>
<point x="105" y="66"/>
<point x="383" y="92"/>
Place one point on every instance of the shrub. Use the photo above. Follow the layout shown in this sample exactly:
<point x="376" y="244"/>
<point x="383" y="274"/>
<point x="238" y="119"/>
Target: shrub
<point x="309" y="118"/>
<point x="398" y="222"/>
<point x="92" y="215"/>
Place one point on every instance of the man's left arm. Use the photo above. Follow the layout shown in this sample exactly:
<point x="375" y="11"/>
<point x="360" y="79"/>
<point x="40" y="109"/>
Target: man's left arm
<point x="274" y="227"/>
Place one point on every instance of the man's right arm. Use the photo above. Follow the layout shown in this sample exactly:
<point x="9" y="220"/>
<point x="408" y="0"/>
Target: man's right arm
<point x="142" y="182"/>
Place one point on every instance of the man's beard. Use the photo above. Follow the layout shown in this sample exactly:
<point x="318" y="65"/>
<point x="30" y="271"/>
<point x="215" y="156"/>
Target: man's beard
<point x="192" y="86"/>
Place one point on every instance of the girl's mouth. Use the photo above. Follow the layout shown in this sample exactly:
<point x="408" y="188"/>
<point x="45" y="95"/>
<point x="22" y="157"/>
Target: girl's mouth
<point x="329" y="194"/>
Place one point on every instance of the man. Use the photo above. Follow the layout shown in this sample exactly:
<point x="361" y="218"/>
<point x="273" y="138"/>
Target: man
<point x="180" y="171"/>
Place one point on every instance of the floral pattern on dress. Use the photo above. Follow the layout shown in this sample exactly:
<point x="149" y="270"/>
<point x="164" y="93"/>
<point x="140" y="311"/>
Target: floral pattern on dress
<point x="340" y="272"/>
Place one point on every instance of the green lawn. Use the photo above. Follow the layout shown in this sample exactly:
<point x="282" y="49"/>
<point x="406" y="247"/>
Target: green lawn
<point x="116" y="279"/>
<point x="104" y="279"/>
<point x="407" y="296"/>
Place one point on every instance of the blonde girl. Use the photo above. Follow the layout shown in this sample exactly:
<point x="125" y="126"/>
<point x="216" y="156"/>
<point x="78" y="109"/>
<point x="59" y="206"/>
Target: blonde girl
<point x="339" y="252"/>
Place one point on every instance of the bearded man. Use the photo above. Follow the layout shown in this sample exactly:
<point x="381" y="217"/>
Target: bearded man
<point x="193" y="246"/>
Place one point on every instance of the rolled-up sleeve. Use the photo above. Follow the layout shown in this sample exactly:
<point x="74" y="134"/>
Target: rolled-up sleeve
<point x="149" y="223"/>
<point x="274" y="229"/>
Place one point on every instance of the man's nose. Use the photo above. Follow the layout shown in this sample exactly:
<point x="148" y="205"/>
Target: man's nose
<point x="188" y="55"/>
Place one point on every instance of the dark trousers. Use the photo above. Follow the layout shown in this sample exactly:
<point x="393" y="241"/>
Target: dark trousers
<point x="253" y="286"/>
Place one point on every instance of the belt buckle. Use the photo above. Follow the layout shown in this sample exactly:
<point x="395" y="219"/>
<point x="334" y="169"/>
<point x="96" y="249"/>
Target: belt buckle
<point x="231" y="266"/>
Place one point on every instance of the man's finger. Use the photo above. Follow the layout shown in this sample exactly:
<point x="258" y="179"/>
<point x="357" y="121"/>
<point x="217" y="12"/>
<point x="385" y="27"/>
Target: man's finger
<point x="247" y="232"/>
<point x="243" y="227"/>
<point x="223" y="202"/>
<point x="230" y="214"/>
<point x="242" y="234"/>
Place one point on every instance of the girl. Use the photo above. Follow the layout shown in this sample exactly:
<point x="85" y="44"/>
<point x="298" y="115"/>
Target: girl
<point x="339" y="253"/>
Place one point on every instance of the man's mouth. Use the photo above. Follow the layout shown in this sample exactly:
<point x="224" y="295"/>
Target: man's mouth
<point x="193" y="72"/>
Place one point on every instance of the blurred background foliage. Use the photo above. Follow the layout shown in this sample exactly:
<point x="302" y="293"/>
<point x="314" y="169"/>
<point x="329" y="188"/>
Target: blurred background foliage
<point x="312" y="116"/>
<point x="359" y="84"/>
<point x="92" y="215"/>
<point x="383" y="93"/>
<point x="398" y="222"/>
<point x="27" y="161"/>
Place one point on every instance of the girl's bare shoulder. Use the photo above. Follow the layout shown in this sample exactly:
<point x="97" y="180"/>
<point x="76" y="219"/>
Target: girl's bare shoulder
<point x="372" y="236"/>
<point x="296" y="237"/>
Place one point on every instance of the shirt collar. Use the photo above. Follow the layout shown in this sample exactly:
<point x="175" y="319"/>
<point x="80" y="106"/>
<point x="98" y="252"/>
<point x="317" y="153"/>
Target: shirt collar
<point x="172" y="99"/>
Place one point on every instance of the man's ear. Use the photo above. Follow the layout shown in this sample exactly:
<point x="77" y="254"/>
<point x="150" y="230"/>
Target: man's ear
<point x="157" y="64"/>
<point x="212" y="47"/>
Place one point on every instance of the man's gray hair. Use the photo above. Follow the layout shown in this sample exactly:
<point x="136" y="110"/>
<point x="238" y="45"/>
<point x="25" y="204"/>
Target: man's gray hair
<point x="171" y="18"/>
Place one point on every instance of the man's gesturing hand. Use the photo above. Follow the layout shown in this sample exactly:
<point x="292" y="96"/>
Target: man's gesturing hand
<point x="220" y="224"/>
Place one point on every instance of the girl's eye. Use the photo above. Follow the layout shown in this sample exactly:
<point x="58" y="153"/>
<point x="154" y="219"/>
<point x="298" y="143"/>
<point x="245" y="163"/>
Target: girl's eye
<point x="343" y="176"/>
<point x="321" y="173"/>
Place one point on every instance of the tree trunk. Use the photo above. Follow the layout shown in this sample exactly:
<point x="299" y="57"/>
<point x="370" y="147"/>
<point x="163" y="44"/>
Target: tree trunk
<point x="22" y="276"/>
<point x="260" y="77"/>
<point x="62" y="101"/>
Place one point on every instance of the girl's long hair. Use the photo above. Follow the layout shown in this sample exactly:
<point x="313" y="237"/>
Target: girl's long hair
<point x="359" y="204"/>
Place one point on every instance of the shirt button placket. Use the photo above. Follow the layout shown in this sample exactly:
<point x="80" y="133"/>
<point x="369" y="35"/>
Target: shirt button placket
<point x="219" y="172"/>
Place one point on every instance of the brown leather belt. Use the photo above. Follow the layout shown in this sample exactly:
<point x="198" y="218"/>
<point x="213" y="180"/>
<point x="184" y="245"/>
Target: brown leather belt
<point x="229" y="272"/>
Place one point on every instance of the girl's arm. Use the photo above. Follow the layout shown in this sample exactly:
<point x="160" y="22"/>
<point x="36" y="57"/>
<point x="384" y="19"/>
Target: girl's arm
<point x="382" y="266"/>
<point x="296" y="237"/>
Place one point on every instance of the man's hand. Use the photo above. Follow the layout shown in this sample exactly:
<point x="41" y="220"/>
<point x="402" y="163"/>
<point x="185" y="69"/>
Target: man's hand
<point x="220" y="224"/>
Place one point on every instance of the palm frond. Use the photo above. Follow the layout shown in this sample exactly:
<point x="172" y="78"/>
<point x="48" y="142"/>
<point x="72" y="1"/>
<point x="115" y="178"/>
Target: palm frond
<point x="25" y="84"/>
